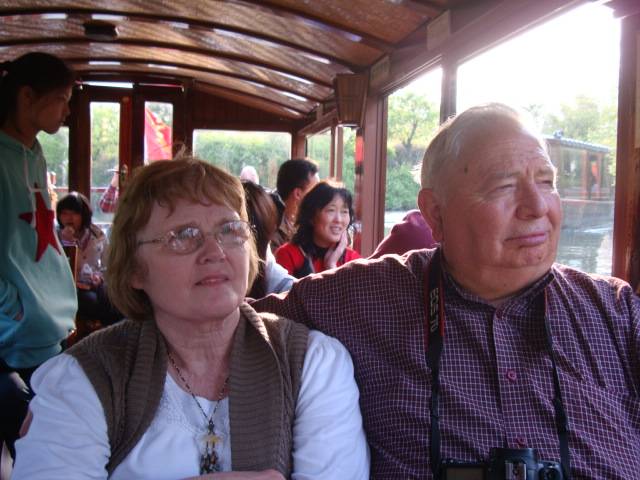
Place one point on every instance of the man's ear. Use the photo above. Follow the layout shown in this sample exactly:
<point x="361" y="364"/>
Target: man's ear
<point x="298" y="193"/>
<point x="431" y="208"/>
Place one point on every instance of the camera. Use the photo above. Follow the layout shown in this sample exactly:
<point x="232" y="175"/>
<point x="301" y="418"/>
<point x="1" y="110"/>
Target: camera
<point x="503" y="464"/>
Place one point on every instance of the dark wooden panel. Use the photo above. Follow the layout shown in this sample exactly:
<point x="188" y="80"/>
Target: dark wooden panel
<point x="626" y="234"/>
<point x="209" y="111"/>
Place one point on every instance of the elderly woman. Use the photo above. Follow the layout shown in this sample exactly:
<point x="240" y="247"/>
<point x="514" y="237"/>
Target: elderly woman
<point x="321" y="238"/>
<point x="195" y="382"/>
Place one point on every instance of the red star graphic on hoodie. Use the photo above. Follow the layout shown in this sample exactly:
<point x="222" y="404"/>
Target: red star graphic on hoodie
<point x="43" y="225"/>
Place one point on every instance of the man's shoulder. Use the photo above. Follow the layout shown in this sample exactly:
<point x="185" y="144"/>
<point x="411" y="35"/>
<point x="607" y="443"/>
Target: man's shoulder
<point x="411" y="263"/>
<point x="574" y="276"/>
<point x="590" y="286"/>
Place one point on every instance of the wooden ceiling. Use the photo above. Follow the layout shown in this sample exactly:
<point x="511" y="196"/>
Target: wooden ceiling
<point x="276" y="55"/>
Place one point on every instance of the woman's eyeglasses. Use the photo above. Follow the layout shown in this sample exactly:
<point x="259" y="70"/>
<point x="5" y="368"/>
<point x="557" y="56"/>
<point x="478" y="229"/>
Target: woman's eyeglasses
<point x="189" y="239"/>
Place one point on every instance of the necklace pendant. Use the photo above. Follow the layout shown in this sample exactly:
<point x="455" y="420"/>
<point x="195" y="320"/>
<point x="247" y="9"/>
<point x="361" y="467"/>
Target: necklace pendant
<point x="209" y="462"/>
<point x="210" y="438"/>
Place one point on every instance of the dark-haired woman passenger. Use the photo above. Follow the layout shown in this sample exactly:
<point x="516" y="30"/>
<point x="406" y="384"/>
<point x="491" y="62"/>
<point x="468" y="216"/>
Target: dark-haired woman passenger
<point x="321" y="239"/>
<point x="263" y="216"/>
<point x="75" y="227"/>
<point x="37" y="294"/>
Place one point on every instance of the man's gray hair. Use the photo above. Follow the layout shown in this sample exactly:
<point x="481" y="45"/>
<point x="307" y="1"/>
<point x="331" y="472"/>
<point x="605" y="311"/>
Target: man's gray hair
<point x="457" y="132"/>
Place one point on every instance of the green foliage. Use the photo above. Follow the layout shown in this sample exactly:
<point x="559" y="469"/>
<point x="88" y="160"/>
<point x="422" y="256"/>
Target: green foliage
<point x="319" y="150"/>
<point x="348" y="160"/>
<point x="56" y="151"/>
<point x="402" y="189"/>
<point x="234" y="150"/>
<point x="412" y="120"/>
<point x="105" y="128"/>
<point x="585" y="119"/>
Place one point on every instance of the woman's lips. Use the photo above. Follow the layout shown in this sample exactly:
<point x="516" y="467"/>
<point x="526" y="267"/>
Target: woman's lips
<point x="212" y="280"/>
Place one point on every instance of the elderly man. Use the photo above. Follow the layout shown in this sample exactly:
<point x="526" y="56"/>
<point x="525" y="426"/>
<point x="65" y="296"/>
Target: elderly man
<point x="485" y="342"/>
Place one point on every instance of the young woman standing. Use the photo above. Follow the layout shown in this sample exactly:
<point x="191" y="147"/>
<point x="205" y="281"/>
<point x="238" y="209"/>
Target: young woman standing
<point x="37" y="292"/>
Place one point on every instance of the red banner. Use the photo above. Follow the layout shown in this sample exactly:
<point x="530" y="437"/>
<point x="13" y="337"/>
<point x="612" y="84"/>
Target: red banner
<point x="157" y="137"/>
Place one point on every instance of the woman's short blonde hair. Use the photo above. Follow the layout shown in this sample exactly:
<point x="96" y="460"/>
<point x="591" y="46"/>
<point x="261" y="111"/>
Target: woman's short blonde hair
<point x="163" y="183"/>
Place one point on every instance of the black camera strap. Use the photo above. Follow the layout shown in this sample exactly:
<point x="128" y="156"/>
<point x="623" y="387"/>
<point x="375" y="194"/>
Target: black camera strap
<point x="562" y="422"/>
<point x="433" y="336"/>
<point x="433" y="343"/>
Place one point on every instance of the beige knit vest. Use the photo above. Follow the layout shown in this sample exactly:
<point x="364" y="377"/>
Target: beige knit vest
<point x="127" y="365"/>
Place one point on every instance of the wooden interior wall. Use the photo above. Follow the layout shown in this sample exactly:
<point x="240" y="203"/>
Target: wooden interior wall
<point x="626" y="238"/>
<point x="212" y="112"/>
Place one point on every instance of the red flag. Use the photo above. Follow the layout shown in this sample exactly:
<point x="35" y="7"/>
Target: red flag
<point x="157" y="137"/>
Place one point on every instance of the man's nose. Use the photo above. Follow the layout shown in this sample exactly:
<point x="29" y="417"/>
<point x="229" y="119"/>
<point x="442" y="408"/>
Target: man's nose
<point x="532" y="201"/>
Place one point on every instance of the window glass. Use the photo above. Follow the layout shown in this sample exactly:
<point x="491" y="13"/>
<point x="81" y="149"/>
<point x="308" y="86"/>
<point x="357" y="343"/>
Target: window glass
<point x="158" y="131"/>
<point x="105" y="151"/>
<point x="565" y="74"/>
<point x="319" y="150"/>
<point x="233" y="150"/>
<point x="348" y="160"/>
<point x="413" y="117"/>
<point x="56" y="151"/>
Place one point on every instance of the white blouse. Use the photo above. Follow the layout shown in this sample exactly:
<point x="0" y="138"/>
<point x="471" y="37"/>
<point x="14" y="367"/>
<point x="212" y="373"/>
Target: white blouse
<point x="68" y="435"/>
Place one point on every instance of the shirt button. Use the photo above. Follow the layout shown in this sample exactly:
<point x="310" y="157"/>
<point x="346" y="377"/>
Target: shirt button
<point x="521" y="442"/>
<point x="512" y="376"/>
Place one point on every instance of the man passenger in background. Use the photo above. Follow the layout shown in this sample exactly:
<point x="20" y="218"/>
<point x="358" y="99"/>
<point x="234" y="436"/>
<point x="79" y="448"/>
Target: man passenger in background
<point x="511" y="342"/>
<point x="295" y="178"/>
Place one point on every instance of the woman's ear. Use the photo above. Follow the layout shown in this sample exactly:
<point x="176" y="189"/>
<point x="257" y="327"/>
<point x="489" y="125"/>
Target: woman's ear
<point x="26" y="97"/>
<point x="138" y="277"/>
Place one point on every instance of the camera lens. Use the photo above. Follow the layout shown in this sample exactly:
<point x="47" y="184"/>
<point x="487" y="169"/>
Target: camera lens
<point x="550" y="473"/>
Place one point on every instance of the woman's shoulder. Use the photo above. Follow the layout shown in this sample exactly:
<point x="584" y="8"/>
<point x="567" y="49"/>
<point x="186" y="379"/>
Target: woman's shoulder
<point x="351" y="254"/>
<point x="59" y="370"/>
<point x="288" y="248"/>
<point x="326" y="347"/>
<point x="278" y="278"/>
<point x="97" y="232"/>
<point x="269" y="320"/>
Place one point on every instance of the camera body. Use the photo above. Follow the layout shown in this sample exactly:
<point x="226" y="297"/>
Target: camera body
<point x="503" y="464"/>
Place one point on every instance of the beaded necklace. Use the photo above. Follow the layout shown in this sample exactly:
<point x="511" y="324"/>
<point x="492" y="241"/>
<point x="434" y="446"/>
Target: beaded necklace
<point x="209" y="461"/>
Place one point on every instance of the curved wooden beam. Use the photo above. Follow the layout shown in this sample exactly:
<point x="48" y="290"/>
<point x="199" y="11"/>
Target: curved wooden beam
<point x="170" y="46"/>
<point x="334" y="28"/>
<point x="235" y="91"/>
<point x="186" y="66"/>
<point x="192" y="22"/>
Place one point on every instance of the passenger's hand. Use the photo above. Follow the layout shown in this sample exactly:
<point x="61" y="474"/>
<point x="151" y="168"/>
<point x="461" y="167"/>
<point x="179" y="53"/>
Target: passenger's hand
<point x="26" y="423"/>
<point x="115" y="179"/>
<point x="263" y="475"/>
<point x="96" y="279"/>
<point x="334" y="254"/>
<point x="68" y="234"/>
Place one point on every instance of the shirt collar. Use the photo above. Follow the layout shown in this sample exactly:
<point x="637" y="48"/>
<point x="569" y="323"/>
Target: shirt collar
<point x="526" y="294"/>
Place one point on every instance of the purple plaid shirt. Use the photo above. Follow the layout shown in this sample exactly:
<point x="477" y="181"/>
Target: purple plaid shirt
<point x="496" y="375"/>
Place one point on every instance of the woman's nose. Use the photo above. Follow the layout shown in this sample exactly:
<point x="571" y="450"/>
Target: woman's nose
<point x="212" y="249"/>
